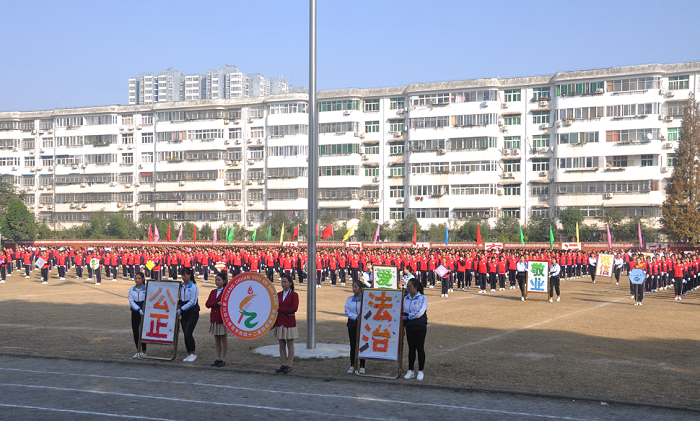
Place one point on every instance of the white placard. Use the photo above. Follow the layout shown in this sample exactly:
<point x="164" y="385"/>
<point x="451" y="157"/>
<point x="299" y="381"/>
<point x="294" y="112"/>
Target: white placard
<point x="570" y="246"/>
<point x="493" y="246"/>
<point x="605" y="265"/>
<point x="290" y="244"/>
<point x="422" y="245"/>
<point x="538" y="277"/>
<point x="160" y="312"/>
<point x="386" y="277"/>
<point x="380" y="324"/>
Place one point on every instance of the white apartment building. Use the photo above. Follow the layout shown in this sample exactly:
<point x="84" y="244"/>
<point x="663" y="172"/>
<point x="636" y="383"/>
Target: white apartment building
<point x="523" y="147"/>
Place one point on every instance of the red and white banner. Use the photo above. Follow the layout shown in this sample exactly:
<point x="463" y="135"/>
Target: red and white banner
<point x="422" y="245"/>
<point x="570" y="246"/>
<point x="657" y="246"/>
<point x="493" y="246"/>
<point x="290" y="244"/>
<point x="353" y="244"/>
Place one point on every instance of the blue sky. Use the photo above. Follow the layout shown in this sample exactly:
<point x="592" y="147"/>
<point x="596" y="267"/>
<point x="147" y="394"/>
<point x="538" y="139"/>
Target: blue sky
<point x="81" y="53"/>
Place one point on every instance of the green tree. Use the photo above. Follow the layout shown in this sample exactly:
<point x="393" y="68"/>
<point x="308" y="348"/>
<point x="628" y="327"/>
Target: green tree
<point x="44" y="232"/>
<point x="277" y="220"/>
<point x="613" y="217"/>
<point x="568" y="218"/>
<point x="327" y="219"/>
<point x="436" y="232"/>
<point x="97" y="226"/>
<point x="537" y="230"/>
<point x="680" y="213"/>
<point x="240" y="233"/>
<point x="9" y="194"/>
<point x="303" y="227"/>
<point x="506" y="229"/>
<point x="206" y="232"/>
<point x="467" y="231"/>
<point x="366" y="227"/>
<point x="187" y="231"/>
<point x="402" y="230"/>
<point x="18" y="223"/>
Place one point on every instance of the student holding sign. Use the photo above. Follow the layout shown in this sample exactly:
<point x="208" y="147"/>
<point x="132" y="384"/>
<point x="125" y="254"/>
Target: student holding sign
<point x="554" y="271"/>
<point x="639" y="288"/>
<point x="353" y="306"/>
<point x="188" y="311"/>
<point x="415" y="321"/>
<point x="137" y="299"/>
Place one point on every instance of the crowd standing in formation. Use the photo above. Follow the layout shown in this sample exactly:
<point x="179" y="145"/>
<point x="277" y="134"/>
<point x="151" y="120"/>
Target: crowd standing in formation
<point x="487" y="271"/>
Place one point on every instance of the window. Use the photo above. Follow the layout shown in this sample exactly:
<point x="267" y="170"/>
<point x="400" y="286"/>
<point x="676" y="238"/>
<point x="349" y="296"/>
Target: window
<point x="473" y="189"/>
<point x="472" y="143"/>
<point x="463" y="214"/>
<point x="342" y="105"/>
<point x="396" y="213"/>
<point x="256" y="154"/>
<point x="339" y="149"/>
<point x="28" y="144"/>
<point x="511" y="120"/>
<point x="674" y="134"/>
<point x="511" y="95"/>
<point x="430" y="99"/>
<point x="429" y="122"/>
<point x="540" y="117"/>
<point x="647" y="160"/>
<point x="619" y="161"/>
<point x="371" y="105"/>
<point x="146" y="137"/>
<point x="634" y="84"/>
<point x="427" y="145"/>
<point x="541" y="213"/>
<point x="205" y="134"/>
<point x="578" y="162"/>
<point x="585" y="113"/>
<point x="397" y="103"/>
<point x="472" y="166"/>
<point x="511" y="142"/>
<point x="474" y="120"/>
<point x="597" y="187"/>
<point x="128" y="120"/>
<point x="511" y="213"/>
<point x="128" y="139"/>
<point x="511" y="190"/>
<point x="255" y="175"/>
<point x="431" y="190"/>
<point x="511" y="165"/>
<point x="430" y="212"/>
<point x="678" y="82"/>
<point x="540" y="164"/>
<point x="341" y="127"/>
<point x="671" y="160"/>
<point x="631" y="110"/>
<point x="204" y="115"/>
<point x="475" y="96"/>
<point x="396" y="191"/>
<point x="29" y="161"/>
<point x="175" y="137"/>
<point x="147" y="119"/>
<point x="288" y="150"/>
<point x="99" y="120"/>
<point x="676" y="108"/>
<point x="256" y="195"/>
<point x="47" y="162"/>
<point x="288" y="130"/>
<point x="540" y="190"/>
<point x="372" y="150"/>
<point x="585" y="88"/>
<point x="171" y="156"/>
<point x="575" y="138"/>
<point x="206" y="155"/>
<point x="396" y="125"/>
<point x="234" y="133"/>
<point x="287" y="194"/>
<point x="256" y="112"/>
<point x="101" y="159"/>
<point x="634" y="135"/>
<point x="339" y="194"/>
<point x="256" y="132"/>
<point x="47" y="142"/>
<point x="171" y="116"/>
<point x="147" y="157"/>
<point x="291" y="108"/>
<point x="69" y="121"/>
<point x="395" y="149"/>
<point x="396" y="171"/>
<point x="371" y="127"/>
<point x="371" y="171"/>
<point x="26" y="125"/>
<point x="339" y="170"/>
<point x="540" y="93"/>
<point x="540" y="141"/>
<point x="9" y="162"/>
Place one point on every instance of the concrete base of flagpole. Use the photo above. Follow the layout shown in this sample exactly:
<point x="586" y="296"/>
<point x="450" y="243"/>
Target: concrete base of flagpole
<point x="321" y="351"/>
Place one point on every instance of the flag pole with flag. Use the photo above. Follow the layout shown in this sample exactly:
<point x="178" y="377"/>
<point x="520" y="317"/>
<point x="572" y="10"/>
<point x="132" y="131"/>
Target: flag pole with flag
<point x="522" y="239"/>
<point x="179" y="236"/>
<point x="327" y="232"/>
<point x="376" y="236"/>
<point x="578" y="242"/>
<point x="156" y="237"/>
<point x="447" y="234"/>
<point x="269" y="232"/>
<point x="214" y="241"/>
<point x="551" y="238"/>
<point x="607" y="227"/>
<point x="349" y="234"/>
<point x="167" y="236"/>
<point x="478" y="236"/>
<point x="194" y="238"/>
<point x="150" y="233"/>
<point x="639" y="230"/>
<point x="295" y="233"/>
<point x="255" y="233"/>
<point x="415" y="234"/>
<point x="229" y="238"/>
<point x="226" y="238"/>
<point x="282" y="233"/>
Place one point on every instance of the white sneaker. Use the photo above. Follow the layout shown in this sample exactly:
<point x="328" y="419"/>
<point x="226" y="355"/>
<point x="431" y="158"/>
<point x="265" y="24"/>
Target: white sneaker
<point x="420" y="376"/>
<point x="98" y="283"/>
<point x="351" y="370"/>
<point x="362" y="370"/>
<point x="446" y="296"/>
<point x="409" y="375"/>
<point x="1" y="281"/>
<point x="188" y="358"/>
<point x="136" y="356"/>
<point x="550" y="300"/>
<point x="451" y="290"/>
<point x="522" y="298"/>
<point x="558" y="298"/>
<point x="143" y="354"/>
<point x="45" y="282"/>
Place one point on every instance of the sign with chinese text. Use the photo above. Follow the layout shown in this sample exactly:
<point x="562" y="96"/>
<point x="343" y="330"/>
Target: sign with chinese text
<point x="353" y="245"/>
<point x="249" y="306"/>
<point x="493" y="246"/>
<point x="290" y="244"/>
<point x="538" y="277"/>
<point x="160" y="312"/>
<point x="605" y="265"/>
<point x="570" y="246"/>
<point x="422" y="245"/>
<point x="386" y="277"/>
<point x="657" y="246"/>
<point x="380" y="330"/>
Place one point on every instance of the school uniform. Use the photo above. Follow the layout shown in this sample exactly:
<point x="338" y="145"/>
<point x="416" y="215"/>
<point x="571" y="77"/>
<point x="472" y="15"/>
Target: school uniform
<point x="592" y="262"/>
<point x="416" y="325"/>
<point x="353" y="306"/>
<point x="188" y="312"/>
<point x="216" y="322"/>
<point x="137" y="300"/>
<point x="286" y="323"/>
<point x="521" y="275"/>
<point x="554" y="272"/>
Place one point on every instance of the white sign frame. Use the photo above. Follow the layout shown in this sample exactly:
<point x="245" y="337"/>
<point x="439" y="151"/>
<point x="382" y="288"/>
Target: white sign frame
<point x="570" y="246"/>
<point x="395" y="282"/>
<point x="602" y="269"/>
<point x="161" y="299"/>
<point x="537" y="283"/>
<point x="376" y="318"/>
<point x="493" y="247"/>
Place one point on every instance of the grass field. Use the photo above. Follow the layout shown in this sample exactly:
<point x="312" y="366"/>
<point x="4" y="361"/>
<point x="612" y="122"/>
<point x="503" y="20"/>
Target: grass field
<point x="593" y="343"/>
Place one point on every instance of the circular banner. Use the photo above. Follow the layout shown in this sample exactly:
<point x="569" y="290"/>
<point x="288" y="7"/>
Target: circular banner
<point x="249" y="306"/>
<point x="94" y="263"/>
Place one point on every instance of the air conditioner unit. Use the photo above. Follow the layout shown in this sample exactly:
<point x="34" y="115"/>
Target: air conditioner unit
<point x="235" y="203"/>
<point x="182" y="183"/>
<point x="543" y="103"/>
<point x="250" y="120"/>
<point x="139" y="127"/>
<point x="365" y="157"/>
<point x="558" y="123"/>
<point x="84" y="165"/>
<point x="137" y="184"/>
<point x="251" y="161"/>
<point x="14" y="149"/>
<point x="568" y="122"/>
<point x="83" y="185"/>
<point x="668" y="118"/>
<point x="399" y="200"/>
<point x="515" y="152"/>
<point x="544" y="150"/>
<point x="504" y="105"/>
<point x="433" y="101"/>
<point x="140" y="166"/>
<point x="251" y="202"/>
<point x="237" y="121"/>
<point x="227" y="141"/>
<point x="15" y="168"/>
<point x="42" y="150"/>
<point x="509" y="175"/>
<point x="362" y="136"/>
<point x="84" y="205"/>
<point x="499" y="192"/>
<point x="346" y="112"/>
<point x="259" y="141"/>
<point x="608" y="195"/>
<point x="372" y="200"/>
<point x="49" y="207"/>
<point x="129" y="205"/>
<point x="543" y="173"/>
<point x="179" y="202"/>
<point x="130" y="147"/>
<point x="484" y="104"/>
<point x="544" y="126"/>
<point x="261" y="182"/>
<point x="441" y="152"/>
<point x="121" y="147"/>
<point x="375" y="179"/>
<point x="112" y="184"/>
<point x="668" y="145"/>
<point x="357" y="134"/>
<point x="228" y="162"/>
<point x="50" y="131"/>
<point x="237" y="182"/>
<point x="250" y="141"/>
<point x="249" y="182"/>
<point x="41" y="187"/>
<point x="119" y="205"/>
<point x="227" y="121"/>
<point x="399" y="111"/>
<point x="664" y="169"/>
<point x="72" y="206"/>
<point x="504" y="129"/>
<point x="40" y="206"/>
<point x="670" y="94"/>
<point x="227" y="182"/>
<point x="500" y="122"/>
<point x="662" y="137"/>
<point x="127" y="186"/>
<point x="238" y="141"/>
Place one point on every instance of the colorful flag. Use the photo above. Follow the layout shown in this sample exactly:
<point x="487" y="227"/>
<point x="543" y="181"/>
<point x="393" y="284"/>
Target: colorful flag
<point x="551" y="238"/>
<point x="578" y="242"/>
<point x="179" y="236"/>
<point x="226" y="237"/>
<point x="609" y="238"/>
<point x="415" y="232"/>
<point x="639" y="230"/>
<point x="167" y="236"/>
<point x="447" y="234"/>
<point x="254" y="234"/>
<point x="478" y="235"/>
<point x="282" y="233"/>
<point x="327" y="232"/>
<point x="522" y="239"/>
<point x="316" y="230"/>
<point x="269" y="232"/>
<point x="376" y="235"/>
<point x="230" y="235"/>
<point x="150" y="233"/>
<point x="215" y="234"/>
<point x="295" y="233"/>
<point x="156" y="237"/>
<point x="195" y="234"/>
<point x="349" y="234"/>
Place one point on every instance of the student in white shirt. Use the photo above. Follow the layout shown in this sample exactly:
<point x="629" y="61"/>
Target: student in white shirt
<point x="137" y="299"/>
<point x="188" y="311"/>
<point x="353" y="306"/>
<point x="415" y="321"/>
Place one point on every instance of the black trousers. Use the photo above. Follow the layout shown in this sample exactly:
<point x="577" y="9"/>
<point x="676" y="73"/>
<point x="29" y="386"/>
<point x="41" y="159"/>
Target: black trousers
<point x="591" y="270"/>
<point x="492" y="280"/>
<point x="27" y="268"/>
<point x="61" y="271"/>
<point x="334" y="277"/>
<point x="416" y="344"/>
<point x="678" y="286"/>
<point x="511" y="277"/>
<point x="79" y="271"/>
<point x="135" y="325"/>
<point x="431" y="278"/>
<point x="45" y="274"/>
<point x="482" y="281"/>
<point x="638" y="292"/>
<point x="188" y="323"/>
<point x="461" y="280"/>
<point x="554" y="284"/>
<point x="341" y="275"/>
<point x="352" y="334"/>
<point x="522" y="283"/>
<point x="3" y="272"/>
<point x="502" y="280"/>
<point x="445" y="285"/>
<point x="617" y="271"/>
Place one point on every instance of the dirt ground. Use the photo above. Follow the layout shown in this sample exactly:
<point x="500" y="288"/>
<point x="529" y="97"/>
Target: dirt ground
<point x="593" y="343"/>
